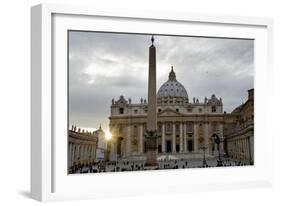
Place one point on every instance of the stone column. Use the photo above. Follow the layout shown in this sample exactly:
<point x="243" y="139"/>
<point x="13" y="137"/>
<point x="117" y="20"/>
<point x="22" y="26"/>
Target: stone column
<point x="240" y="146"/>
<point x="83" y="156"/>
<point x="141" y="139"/>
<point x="112" y="150"/>
<point x="221" y="136"/>
<point x="163" y="138"/>
<point x="247" y="149"/>
<point x="209" y="140"/>
<point x="69" y="154"/>
<point x="246" y="152"/>
<point x="206" y="132"/>
<point x="185" y="137"/>
<point x="92" y="152"/>
<point x="74" y="153"/>
<point x="181" y="138"/>
<point x="89" y="152"/>
<point x="86" y="153"/>
<point x="80" y="157"/>
<point x="251" y="152"/>
<point x="196" y="136"/>
<point x="78" y="152"/>
<point x="174" y="137"/>
<point x="74" y="150"/>
<point x="242" y="149"/>
<point x="128" y="141"/>
<point x="206" y="136"/>
<point x="123" y="148"/>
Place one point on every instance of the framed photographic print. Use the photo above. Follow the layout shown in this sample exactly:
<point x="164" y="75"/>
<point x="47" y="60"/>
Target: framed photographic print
<point x="135" y="102"/>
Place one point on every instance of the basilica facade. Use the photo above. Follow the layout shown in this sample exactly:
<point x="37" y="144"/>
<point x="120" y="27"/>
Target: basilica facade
<point x="184" y="126"/>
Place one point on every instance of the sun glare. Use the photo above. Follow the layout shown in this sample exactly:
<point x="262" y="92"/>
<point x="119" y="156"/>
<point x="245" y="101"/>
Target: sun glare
<point x="108" y="135"/>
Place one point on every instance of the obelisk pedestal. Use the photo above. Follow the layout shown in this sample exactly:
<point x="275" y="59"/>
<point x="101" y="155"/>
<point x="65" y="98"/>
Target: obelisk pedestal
<point x="151" y="133"/>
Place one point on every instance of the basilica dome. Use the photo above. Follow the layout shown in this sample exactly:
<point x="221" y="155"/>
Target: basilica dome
<point x="172" y="88"/>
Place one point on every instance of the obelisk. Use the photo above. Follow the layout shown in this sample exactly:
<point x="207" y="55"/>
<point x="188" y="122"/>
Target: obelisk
<point x="151" y="133"/>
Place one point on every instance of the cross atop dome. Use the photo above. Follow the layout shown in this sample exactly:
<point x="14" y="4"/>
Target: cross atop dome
<point x="172" y="74"/>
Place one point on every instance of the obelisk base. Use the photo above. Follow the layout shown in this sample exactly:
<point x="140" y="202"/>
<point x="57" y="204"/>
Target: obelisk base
<point x="151" y="145"/>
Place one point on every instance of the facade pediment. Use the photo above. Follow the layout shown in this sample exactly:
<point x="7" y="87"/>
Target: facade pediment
<point x="169" y="112"/>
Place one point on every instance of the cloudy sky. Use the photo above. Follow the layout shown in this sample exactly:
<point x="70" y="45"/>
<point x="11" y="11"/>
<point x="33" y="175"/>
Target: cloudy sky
<point x="103" y="66"/>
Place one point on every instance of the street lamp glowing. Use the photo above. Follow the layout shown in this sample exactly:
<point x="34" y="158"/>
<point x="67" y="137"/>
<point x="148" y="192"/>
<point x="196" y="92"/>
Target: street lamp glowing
<point x="108" y="135"/>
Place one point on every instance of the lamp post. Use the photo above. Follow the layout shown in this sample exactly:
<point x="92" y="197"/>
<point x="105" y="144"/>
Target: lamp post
<point x="204" y="157"/>
<point x="218" y="141"/>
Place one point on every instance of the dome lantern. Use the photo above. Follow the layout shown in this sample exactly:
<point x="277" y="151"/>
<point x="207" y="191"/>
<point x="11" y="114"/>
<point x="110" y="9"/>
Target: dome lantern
<point x="172" y="74"/>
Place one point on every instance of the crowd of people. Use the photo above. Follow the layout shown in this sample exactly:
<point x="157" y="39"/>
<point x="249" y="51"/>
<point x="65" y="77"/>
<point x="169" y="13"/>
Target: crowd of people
<point x="126" y="165"/>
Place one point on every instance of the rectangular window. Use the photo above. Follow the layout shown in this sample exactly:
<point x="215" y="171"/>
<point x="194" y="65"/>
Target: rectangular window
<point x="189" y="127"/>
<point x="177" y="128"/>
<point x="169" y="127"/>
<point x="121" y="110"/>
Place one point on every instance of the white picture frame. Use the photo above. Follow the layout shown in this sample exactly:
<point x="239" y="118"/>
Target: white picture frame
<point x="49" y="181"/>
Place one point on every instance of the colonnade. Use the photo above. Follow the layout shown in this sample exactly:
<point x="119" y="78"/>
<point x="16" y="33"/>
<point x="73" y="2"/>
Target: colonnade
<point x="240" y="148"/>
<point x="173" y="135"/>
<point x="80" y="153"/>
<point x="179" y="135"/>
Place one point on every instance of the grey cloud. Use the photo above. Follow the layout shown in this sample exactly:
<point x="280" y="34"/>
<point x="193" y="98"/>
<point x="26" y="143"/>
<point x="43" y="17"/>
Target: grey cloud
<point x="103" y="66"/>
